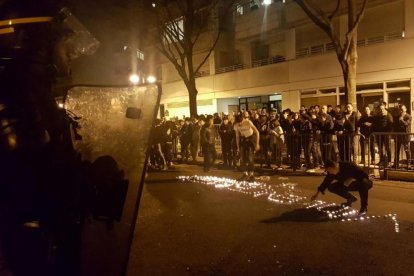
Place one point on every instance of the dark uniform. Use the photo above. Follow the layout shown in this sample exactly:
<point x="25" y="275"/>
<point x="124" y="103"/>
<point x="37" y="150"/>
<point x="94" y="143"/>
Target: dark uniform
<point x="208" y="136"/>
<point x="366" y="138"/>
<point x="226" y="135"/>
<point x="306" y="138"/>
<point x="326" y="125"/>
<point x="402" y="126"/>
<point x="264" y="131"/>
<point x="185" y="139"/>
<point x="383" y="123"/>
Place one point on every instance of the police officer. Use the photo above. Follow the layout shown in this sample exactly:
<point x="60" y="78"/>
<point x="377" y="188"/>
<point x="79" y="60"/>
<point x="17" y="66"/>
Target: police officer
<point x="38" y="163"/>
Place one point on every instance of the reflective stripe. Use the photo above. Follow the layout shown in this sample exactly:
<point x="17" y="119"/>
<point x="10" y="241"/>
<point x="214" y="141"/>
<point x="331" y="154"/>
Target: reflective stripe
<point x="25" y="20"/>
<point x="7" y="30"/>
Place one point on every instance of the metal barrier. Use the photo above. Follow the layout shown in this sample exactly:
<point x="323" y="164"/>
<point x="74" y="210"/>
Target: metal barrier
<point x="391" y="150"/>
<point x="314" y="149"/>
<point x="378" y="153"/>
<point x="177" y="148"/>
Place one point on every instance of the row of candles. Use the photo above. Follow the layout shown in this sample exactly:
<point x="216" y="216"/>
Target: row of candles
<point x="285" y="193"/>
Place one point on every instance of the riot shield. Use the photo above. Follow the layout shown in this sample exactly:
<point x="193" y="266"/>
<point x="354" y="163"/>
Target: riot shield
<point x="115" y="125"/>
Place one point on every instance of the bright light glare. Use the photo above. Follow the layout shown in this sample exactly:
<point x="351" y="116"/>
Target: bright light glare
<point x="151" y="79"/>
<point x="134" y="78"/>
<point x="267" y="2"/>
<point x="153" y="5"/>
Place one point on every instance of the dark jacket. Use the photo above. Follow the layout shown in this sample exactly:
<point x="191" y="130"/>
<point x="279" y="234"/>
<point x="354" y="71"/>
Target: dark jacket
<point x="383" y="123"/>
<point x="264" y="130"/>
<point x="286" y="125"/>
<point x="326" y="127"/>
<point x="351" y="123"/>
<point x="226" y="132"/>
<point x="346" y="170"/>
<point x="364" y="129"/>
<point x="186" y="133"/>
<point x="306" y="126"/>
<point x="403" y="123"/>
<point x="208" y="135"/>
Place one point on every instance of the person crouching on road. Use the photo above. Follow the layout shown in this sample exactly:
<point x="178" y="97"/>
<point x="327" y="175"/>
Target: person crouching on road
<point x="247" y="141"/>
<point x="344" y="177"/>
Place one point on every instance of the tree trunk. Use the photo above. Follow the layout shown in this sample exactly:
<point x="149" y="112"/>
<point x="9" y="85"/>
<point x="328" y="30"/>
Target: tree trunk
<point x="192" y="94"/>
<point x="352" y="56"/>
<point x="351" y="76"/>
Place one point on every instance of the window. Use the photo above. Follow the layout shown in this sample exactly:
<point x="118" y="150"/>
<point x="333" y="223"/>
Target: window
<point x="253" y="5"/>
<point x="140" y="55"/>
<point x="174" y="31"/>
<point x="260" y="50"/>
<point x="239" y="10"/>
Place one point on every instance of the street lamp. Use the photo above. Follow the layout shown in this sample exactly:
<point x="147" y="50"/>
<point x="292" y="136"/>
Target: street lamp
<point x="134" y="79"/>
<point x="151" y="79"/>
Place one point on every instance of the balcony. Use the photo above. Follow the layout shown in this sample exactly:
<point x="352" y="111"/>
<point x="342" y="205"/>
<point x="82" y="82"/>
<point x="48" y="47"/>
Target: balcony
<point x="204" y="73"/>
<point x="267" y="61"/>
<point x="230" y="68"/>
<point x="311" y="51"/>
<point x="329" y="47"/>
<point x="380" y="39"/>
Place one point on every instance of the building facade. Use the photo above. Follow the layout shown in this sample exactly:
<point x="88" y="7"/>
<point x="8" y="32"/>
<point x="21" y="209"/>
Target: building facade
<point x="275" y="57"/>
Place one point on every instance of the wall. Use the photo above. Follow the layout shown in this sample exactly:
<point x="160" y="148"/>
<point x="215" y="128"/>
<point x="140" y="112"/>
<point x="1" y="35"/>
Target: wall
<point x="382" y="20"/>
<point x="380" y="62"/>
<point x="290" y="100"/>
<point x="261" y="20"/>
<point x="222" y="104"/>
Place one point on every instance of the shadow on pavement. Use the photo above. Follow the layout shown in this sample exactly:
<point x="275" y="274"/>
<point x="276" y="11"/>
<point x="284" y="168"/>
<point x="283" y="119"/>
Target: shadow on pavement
<point x="304" y="215"/>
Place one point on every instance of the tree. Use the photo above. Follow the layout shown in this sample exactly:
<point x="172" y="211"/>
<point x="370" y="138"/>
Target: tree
<point x="183" y="25"/>
<point x="347" y="52"/>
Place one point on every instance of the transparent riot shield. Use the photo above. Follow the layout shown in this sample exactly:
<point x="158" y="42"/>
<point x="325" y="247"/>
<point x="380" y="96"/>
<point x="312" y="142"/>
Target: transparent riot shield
<point x="115" y="125"/>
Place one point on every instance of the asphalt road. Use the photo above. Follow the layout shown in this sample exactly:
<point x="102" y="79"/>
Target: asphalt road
<point x="190" y="228"/>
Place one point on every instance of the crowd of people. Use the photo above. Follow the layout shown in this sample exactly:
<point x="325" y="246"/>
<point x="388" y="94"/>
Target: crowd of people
<point x="306" y="138"/>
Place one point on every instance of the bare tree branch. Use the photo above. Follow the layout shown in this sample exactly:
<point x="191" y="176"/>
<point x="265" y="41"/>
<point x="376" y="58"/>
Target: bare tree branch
<point x="346" y="54"/>
<point x="312" y="14"/>
<point x="177" y="42"/>
<point x="208" y="54"/>
<point x="359" y="17"/>
<point x="315" y="14"/>
<point x="351" y="32"/>
<point x="333" y="14"/>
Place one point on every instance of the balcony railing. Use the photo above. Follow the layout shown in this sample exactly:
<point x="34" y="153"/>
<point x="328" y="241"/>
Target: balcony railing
<point x="231" y="68"/>
<point x="305" y="52"/>
<point x="204" y="73"/>
<point x="267" y="61"/>
<point x="328" y="47"/>
<point x="380" y="39"/>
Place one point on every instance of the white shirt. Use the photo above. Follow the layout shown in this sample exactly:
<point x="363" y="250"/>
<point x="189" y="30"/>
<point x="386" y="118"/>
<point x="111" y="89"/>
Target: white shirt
<point x="245" y="128"/>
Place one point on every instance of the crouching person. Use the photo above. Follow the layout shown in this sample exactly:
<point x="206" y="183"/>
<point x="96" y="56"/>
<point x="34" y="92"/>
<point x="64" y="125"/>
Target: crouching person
<point x="344" y="177"/>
